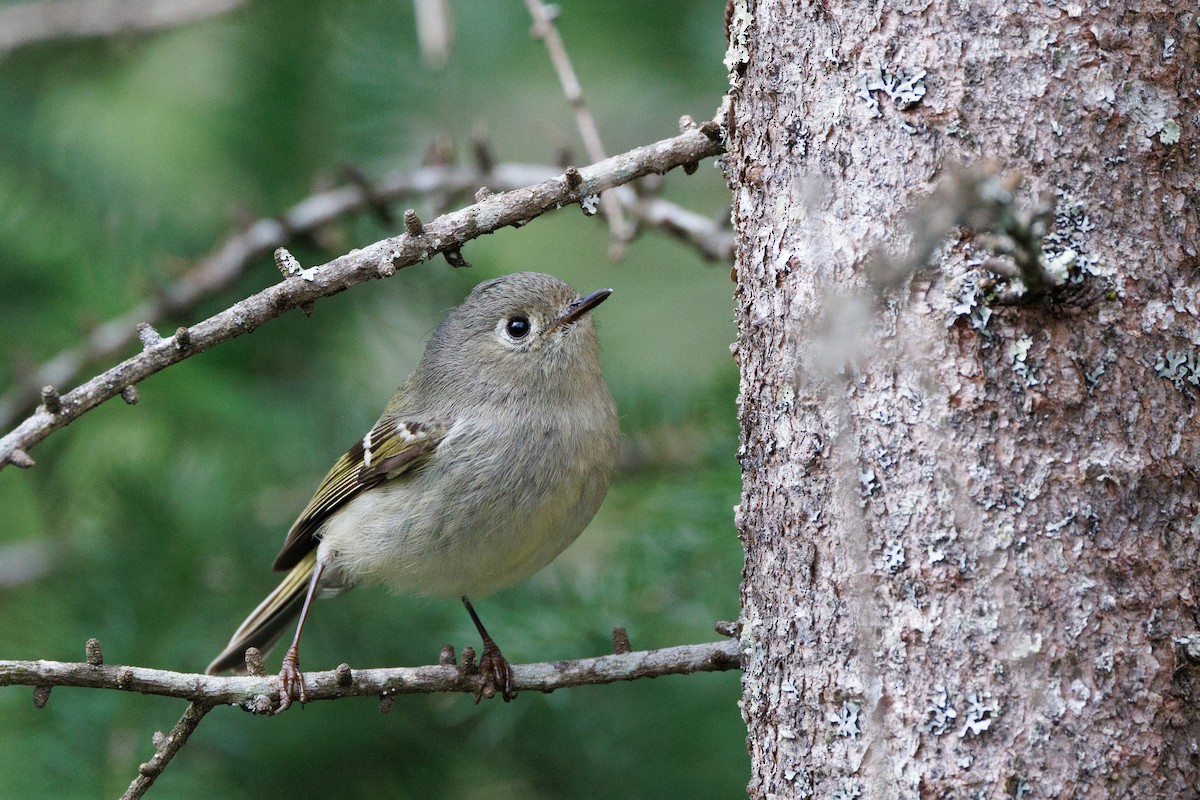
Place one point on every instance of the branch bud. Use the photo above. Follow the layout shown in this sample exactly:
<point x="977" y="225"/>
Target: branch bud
<point x="468" y="661"/>
<point x="254" y="662"/>
<point x="483" y="152"/>
<point x="574" y="179"/>
<point x="343" y="675"/>
<point x="412" y="223"/>
<point x="51" y="399"/>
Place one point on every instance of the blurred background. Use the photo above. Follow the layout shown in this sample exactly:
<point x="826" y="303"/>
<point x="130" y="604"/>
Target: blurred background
<point x="123" y="160"/>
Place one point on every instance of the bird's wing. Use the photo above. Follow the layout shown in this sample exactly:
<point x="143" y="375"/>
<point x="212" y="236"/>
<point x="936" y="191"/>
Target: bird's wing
<point x="389" y="449"/>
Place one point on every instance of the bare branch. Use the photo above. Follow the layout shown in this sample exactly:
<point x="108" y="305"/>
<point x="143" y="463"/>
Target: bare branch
<point x="26" y="23"/>
<point x="26" y="561"/>
<point x="260" y="694"/>
<point x="229" y="260"/>
<point x="714" y="241"/>
<point x="434" y="31"/>
<point x="444" y="235"/>
<point x="543" y="28"/>
<point x="166" y="748"/>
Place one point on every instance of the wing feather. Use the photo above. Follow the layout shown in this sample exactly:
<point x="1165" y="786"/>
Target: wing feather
<point x="391" y="448"/>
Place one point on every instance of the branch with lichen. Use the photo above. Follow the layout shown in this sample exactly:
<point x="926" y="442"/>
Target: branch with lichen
<point x="230" y="259"/>
<point x="446" y="235"/>
<point x="259" y="694"/>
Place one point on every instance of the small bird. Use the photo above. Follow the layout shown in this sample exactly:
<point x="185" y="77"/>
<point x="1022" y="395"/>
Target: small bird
<point x="490" y="459"/>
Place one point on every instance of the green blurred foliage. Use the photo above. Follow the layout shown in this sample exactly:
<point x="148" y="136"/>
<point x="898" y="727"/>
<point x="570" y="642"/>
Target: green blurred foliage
<point x="122" y="161"/>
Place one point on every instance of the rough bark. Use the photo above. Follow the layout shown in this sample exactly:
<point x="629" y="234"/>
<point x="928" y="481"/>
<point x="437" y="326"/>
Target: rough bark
<point x="971" y="530"/>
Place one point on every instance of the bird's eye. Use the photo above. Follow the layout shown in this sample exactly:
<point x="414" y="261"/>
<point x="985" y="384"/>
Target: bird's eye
<point x="517" y="327"/>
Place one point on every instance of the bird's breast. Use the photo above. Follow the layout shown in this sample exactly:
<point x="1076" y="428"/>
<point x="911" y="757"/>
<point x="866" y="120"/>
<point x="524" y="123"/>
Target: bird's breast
<point x="502" y="496"/>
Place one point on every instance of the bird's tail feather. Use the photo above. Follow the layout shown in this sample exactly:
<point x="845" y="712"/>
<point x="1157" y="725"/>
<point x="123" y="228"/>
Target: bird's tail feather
<point x="266" y="623"/>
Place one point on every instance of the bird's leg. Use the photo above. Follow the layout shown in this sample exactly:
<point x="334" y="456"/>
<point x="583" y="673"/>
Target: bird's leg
<point x="291" y="679"/>
<point x="495" y="673"/>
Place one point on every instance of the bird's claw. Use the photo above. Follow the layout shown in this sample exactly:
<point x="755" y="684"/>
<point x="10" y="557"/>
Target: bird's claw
<point x="291" y="682"/>
<point x="495" y="674"/>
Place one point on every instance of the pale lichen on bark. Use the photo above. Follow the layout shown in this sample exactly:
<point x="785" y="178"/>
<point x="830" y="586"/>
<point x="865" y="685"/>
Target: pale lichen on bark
<point x="975" y="524"/>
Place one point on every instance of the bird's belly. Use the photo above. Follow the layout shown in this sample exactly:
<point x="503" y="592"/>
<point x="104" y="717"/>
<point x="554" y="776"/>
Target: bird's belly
<point x="453" y="532"/>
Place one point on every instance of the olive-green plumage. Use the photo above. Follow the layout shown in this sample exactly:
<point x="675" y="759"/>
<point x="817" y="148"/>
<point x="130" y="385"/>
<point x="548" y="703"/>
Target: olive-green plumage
<point x="487" y="463"/>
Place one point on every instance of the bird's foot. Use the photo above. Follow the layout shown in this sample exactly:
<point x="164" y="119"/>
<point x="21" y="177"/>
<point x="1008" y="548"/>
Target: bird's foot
<point x="495" y="674"/>
<point x="291" y="681"/>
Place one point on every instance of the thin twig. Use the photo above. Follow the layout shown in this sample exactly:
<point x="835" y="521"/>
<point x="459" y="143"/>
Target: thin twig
<point x="230" y="259"/>
<point x="26" y="561"/>
<point x="543" y="28"/>
<point x="260" y="694"/>
<point x="714" y="242"/>
<point x="445" y="234"/>
<point x="434" y="31"/>
<point x="26" y="23"/>
<point x="166" y="749"/>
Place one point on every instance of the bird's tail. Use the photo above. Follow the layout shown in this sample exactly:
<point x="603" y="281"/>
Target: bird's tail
<point x="266" y="623"/>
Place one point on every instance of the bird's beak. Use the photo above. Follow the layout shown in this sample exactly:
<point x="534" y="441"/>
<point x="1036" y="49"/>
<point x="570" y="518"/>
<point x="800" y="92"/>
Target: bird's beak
<point x="580" y="307"/>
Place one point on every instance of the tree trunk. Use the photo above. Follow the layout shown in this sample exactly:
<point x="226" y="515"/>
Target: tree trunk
<point x="970" y="528"/>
